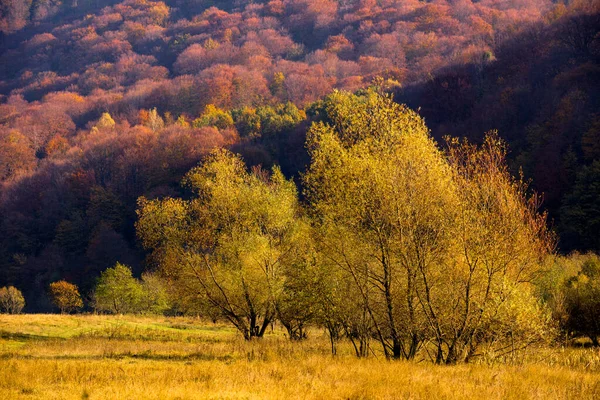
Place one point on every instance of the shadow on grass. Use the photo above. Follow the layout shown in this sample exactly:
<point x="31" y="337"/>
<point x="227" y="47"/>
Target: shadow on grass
<point x="123" y="356"/>
<point x="145" y="335"/>
<point x="26" y="336"/>
<point x="583" y="345"/>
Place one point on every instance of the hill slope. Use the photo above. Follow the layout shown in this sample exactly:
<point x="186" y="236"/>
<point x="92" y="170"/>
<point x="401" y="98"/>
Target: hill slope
<point x="104" y="101"/>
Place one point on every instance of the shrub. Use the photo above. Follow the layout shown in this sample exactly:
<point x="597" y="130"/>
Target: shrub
<point x="570" y="287"/>
<point x="154" y="297"/>
<point x="582" y="301"/>
<point x="117" y="291"/>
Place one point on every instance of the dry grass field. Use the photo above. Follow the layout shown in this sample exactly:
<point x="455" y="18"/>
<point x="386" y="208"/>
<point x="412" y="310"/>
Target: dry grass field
<point x="108" y="357"/>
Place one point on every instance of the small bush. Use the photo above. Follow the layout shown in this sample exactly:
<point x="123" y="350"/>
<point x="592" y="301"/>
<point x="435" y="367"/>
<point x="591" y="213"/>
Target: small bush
<point x="570" y="287"/>
<point x="119" y="292"/>
<point x="154" y="298"/>
<point x="582" y="298"/>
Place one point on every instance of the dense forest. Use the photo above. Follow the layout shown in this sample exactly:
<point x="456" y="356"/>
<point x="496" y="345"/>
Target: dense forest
<point x="102" y="102"/>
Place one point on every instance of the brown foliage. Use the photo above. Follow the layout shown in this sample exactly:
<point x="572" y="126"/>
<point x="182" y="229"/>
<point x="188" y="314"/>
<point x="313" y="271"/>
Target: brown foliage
<point x="65" y="296"/>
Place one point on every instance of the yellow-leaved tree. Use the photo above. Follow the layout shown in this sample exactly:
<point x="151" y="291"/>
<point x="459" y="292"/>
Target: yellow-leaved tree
<point x="436" y="249"/>
<point x="383" y="197"/>
<point x="229" y="246"/>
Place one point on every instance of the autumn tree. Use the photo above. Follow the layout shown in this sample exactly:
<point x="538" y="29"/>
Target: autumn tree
<point x="14" y="15"/>
<point x="379" y="188"/>
<point x="299" y="302"/>
<point x="501" y="244"/>
<point x="105" y="122"/>
<point x="65" y="296"/>
<point x="16" y="154"/>
<point x="154" y="121"/>
<point x="229" y="245"/>
<point x="438" y="252"/>
<point x="11" y="300"/>
<point x="247" y="122"/>
<point x="214" y="116"/>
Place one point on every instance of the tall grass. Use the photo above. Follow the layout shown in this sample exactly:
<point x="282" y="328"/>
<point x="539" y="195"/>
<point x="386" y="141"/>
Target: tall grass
<point x="102" y="357"/>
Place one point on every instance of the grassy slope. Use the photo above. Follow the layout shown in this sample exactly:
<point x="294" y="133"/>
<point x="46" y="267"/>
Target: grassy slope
<point x="102" y="357"/>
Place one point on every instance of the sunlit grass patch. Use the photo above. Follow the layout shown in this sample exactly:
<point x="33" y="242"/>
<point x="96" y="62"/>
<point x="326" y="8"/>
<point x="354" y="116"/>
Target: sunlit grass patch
<point x="131" y="357"/>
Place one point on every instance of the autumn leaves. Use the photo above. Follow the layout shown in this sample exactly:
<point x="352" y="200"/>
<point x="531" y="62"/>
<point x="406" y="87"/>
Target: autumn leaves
<point x="397" y="246"/>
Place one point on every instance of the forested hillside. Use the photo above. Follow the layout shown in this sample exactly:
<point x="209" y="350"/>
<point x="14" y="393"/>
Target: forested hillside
<point x="102" y="102"/>
<point x="542" y="93"/>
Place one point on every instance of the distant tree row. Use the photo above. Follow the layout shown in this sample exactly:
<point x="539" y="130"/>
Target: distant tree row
<point x="116" y="292"/>
<point x="571" y="288"/>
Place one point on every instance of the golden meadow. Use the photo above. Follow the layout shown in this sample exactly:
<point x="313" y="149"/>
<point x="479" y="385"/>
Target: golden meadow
<point x="134" y="357"/>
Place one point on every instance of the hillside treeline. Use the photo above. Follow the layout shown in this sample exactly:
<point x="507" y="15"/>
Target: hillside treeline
<point x="542" y="94"/>
<point x="101" y="103"/>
